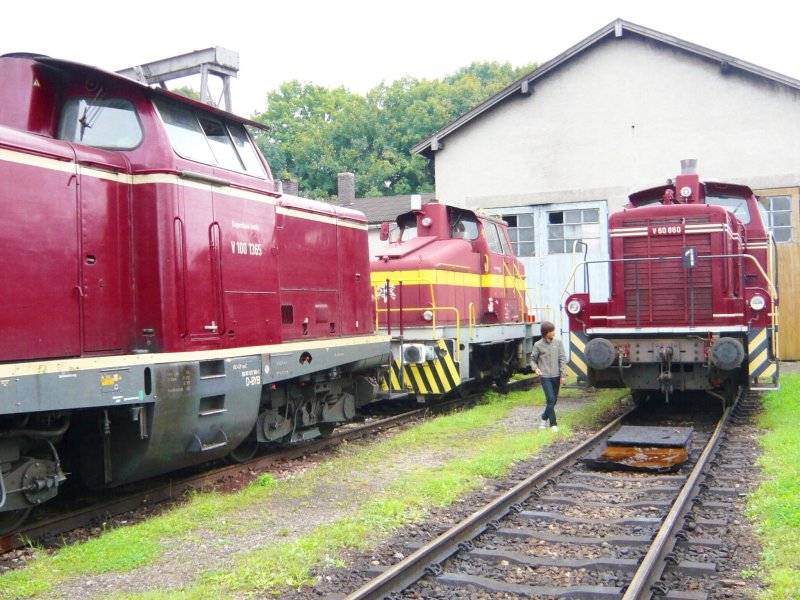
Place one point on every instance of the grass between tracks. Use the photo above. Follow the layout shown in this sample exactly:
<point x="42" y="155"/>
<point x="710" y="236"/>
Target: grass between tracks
<point x="462" y="449"/>
<point x="775" y="506"/>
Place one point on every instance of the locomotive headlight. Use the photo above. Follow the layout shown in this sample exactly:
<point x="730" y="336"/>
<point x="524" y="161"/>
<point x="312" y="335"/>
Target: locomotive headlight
<point x="428" y="315"/>
<point x="757" y="302"/>
<point x="574" y="307"/>
<point x="426" y="222"/>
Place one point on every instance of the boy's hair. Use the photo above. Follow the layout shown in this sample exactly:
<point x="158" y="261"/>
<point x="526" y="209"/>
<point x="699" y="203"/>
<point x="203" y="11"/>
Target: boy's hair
<point x="547" y="327"/>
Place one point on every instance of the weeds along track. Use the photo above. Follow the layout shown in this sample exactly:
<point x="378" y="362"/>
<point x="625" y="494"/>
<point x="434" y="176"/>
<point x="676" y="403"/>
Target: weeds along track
<point x="568" y="531"/>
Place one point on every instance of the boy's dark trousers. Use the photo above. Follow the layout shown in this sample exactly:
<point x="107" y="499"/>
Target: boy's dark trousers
<point x="550" y="386"/>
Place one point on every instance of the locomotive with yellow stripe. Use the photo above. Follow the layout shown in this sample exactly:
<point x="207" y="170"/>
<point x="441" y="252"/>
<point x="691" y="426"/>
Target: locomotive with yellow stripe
<point x="451" y="294"/>
<point x="163" y="303"/>
<point x="693" y="303"/>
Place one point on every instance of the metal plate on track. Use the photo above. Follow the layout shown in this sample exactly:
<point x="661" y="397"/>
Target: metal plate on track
<point x="653" y="437"/>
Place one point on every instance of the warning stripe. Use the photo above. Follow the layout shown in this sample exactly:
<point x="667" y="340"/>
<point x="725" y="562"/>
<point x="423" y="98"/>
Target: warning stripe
<point x="577" y="360"/>
<point x="761" y="364"/>
<point x="433" y="377"/>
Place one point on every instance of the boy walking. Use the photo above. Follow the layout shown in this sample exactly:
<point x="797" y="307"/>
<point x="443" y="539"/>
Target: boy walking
<point x="549" y="362"/>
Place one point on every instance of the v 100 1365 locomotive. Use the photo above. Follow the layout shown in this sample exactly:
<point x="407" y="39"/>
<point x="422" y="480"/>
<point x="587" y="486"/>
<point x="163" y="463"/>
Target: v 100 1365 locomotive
<point x="693" y="302"/>
<point x="163" y="305"/>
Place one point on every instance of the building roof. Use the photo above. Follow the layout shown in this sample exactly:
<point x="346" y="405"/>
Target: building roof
<point x="384" y="208"/>
<point x="616" y="29"/>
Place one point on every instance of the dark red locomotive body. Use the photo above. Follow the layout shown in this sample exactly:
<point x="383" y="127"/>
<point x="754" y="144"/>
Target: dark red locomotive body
<point x="693" y="302"/>
<point x="162" y="302"/>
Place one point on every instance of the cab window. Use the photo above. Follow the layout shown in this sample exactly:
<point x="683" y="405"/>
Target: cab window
<point x="209" y="139"/>
<point x="492" y="237"/>
<point x="110" y="123"/>
<point x="464" y="227"/>
<point x="735" y="205"/>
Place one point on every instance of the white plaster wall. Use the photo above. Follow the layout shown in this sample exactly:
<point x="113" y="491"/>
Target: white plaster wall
<point x="619" y="118"/>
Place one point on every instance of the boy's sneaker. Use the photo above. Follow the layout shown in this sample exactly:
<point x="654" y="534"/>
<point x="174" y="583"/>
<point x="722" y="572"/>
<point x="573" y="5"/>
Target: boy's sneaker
<point x="543" y="424"/>
<point x="554" y="429"/>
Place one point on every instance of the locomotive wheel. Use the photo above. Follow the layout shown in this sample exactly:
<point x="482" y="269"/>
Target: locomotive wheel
<point x="12" y="519"/>
<point x="244" y="451"/>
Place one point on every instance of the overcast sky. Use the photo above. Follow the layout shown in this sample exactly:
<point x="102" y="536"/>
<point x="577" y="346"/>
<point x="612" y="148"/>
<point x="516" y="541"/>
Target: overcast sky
<point x="357" y="44"/>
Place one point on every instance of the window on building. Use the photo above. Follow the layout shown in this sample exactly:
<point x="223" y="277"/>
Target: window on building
<point x="521" y="233"/>
<point x="779" y="211"/>
<point x="565" y="227"/>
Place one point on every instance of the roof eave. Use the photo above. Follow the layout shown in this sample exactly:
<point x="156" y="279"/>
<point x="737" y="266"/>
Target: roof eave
<point x="524" y="84"/>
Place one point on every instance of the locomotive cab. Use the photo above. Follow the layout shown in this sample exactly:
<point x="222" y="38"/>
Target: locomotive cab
<point x="693" y="303"/>
<point x="451" y="293"/>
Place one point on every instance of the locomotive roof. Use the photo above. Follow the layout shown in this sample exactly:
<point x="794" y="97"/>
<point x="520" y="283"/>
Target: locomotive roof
<point x="68" y="65"/>
<point x="711" y="188"/>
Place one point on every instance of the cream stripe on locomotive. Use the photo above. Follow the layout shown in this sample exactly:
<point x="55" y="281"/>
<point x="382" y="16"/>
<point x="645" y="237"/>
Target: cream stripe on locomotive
<point x="69" y="365"/>
<point x="688" y="229"/>
<point x="433" y="377"/>
<point x="224" y="188"/>
<point x="576" y="367"/>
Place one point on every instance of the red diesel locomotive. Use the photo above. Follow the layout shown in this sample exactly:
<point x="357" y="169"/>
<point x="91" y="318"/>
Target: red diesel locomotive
<point x="163" y="303"/>
<point x="693" y="302"/>
<point x="452" y="295"/>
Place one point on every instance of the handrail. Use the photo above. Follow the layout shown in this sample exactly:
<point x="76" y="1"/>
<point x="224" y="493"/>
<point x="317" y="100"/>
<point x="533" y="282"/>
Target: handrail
<point x="472" y="319"/>
<point x="466" y="268"/>
<point x="433" y="326"/>
<point x="406" y="281"/>
<point x="516" y="287"/>
<point x="772" y="290"/>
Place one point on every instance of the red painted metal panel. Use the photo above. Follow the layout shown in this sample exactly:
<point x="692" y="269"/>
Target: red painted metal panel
<point x="357" y="307"/>
<point x="39" y="305"/>
<point x="251" y="302"/>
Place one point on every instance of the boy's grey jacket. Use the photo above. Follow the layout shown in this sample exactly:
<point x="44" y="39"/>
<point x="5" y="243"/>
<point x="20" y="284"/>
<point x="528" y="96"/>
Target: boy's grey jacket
<point x="550" y="358"/>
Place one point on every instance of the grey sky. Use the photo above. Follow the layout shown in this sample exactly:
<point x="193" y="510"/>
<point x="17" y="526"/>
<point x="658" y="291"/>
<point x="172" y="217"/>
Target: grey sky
<point x="357" y="43"/>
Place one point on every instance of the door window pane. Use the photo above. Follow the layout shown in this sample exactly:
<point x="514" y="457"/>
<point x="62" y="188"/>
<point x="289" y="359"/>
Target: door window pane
<point x="521" y="233"/>
<point x="581" y="225"/>
<point x="779" y="211"/>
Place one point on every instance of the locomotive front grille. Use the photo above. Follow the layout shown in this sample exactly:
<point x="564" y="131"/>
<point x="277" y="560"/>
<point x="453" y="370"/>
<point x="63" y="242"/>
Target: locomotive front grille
<point x="665" y="292"/>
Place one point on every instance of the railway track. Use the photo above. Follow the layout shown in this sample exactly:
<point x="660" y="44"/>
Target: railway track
<point x="171" y="487"/>
<point x="570" y="532"/>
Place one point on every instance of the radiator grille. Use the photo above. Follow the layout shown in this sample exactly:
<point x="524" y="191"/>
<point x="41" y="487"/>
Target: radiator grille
<point x="665" y="292"/>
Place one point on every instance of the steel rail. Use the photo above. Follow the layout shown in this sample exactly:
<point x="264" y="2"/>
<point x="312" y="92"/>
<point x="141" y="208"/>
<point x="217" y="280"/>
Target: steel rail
<point x="655" y="561"/>
<point x="173" y="488"/>
<point x="401" y="575"/>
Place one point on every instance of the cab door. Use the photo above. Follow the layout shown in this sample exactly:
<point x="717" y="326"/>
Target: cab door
<point x="495" y="306"/>
<point x="202" y="276"/>
<point x="104" y="255"/>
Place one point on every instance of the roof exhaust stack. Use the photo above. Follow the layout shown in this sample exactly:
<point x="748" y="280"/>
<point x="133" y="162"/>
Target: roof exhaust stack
<point x="689" y="166"/>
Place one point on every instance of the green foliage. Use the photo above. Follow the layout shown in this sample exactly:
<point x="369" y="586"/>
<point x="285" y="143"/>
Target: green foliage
<point x="775" y="506"/>
<point x="314" y="133"/>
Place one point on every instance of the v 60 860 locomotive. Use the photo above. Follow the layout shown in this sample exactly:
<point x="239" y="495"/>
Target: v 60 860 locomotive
<point x="162" y="304"/>
<point x="693" y="301"/>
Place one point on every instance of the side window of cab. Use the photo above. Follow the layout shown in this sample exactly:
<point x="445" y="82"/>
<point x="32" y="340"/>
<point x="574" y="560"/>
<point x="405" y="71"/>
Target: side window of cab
<point x="108" y="123"/>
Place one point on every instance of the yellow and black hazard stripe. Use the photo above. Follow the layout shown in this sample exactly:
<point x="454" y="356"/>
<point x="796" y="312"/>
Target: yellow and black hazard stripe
<point x="762" y="365"/>
<point x="431" y="378"/>
<point x="576" y="367"/>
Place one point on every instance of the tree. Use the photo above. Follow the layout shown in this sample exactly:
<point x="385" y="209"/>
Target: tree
<point x="314" y="133"/>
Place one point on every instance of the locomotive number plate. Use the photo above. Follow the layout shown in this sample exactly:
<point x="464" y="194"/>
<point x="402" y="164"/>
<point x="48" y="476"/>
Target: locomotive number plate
<point x="666" y="230"/>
